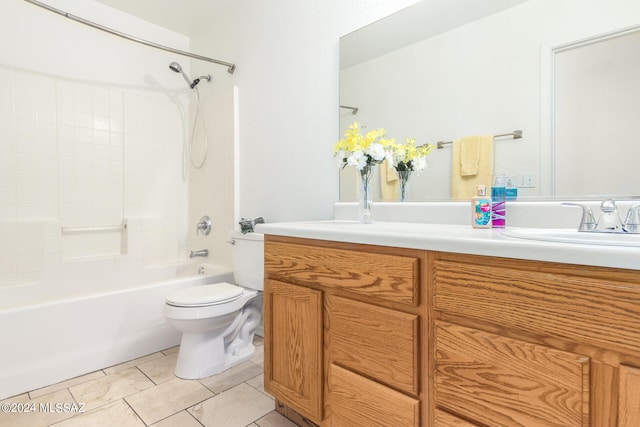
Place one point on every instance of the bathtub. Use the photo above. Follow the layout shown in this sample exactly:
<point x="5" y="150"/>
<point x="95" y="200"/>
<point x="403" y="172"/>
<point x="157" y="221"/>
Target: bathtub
<point x="45" y="342"/>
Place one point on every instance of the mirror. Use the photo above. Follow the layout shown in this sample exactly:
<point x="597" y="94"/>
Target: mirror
<point x="462" y="67"/>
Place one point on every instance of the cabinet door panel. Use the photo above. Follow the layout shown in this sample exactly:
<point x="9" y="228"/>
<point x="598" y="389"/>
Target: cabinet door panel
<point x="359" y="402"/>
<point x="293" y="350"/>
<point x="376" y="341"/>
<point x="629" y="403"/>
<point x="504" y="382"/>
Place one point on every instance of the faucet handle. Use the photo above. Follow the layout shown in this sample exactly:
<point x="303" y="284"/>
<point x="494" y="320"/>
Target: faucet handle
<point x="632" y="222"/>
<point x="204" y="225"/>
<point x="588" y="222"/>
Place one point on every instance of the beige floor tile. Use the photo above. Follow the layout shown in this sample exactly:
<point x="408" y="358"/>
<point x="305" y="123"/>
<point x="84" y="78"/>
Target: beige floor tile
<point x="274" y="419"/>
<point x="258" y="358"/>
<point x="131" y="363"/>
<point x="236" y="407"/>
<point x="42" y="410"/>
<point x="115" y="414"/>
<point x="167" y="398"/>
<point x="257" y="383"/>
<point x="110" y="388"/>
<point x="160" y="370"/>
<point x="65" y="384"/>
<point x="171" y="350"/>
<point x="232" y="377"/>
<point x="181" y="419"/>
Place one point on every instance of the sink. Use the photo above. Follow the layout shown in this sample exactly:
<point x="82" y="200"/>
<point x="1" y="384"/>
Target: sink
<point x="563" y="235"/>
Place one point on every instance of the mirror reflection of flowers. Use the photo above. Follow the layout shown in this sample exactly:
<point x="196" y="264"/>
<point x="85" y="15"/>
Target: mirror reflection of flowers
<point x="408" y="157"/>
<point x="359" y="150"/>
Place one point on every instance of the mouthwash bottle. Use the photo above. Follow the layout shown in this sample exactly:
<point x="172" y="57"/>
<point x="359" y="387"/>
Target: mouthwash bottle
<point x="498" y="202"/>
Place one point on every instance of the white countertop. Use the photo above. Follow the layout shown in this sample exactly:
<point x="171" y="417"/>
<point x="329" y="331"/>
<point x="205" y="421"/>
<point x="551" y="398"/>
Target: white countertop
<point x="458" y="239"/>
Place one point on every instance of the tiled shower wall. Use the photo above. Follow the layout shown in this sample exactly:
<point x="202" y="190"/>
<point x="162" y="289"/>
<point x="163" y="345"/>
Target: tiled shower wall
<point x="76" y="157"/>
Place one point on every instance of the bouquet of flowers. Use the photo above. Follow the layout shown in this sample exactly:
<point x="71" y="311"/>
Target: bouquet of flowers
<point x="408" y="157"/>
<point x="359" y="150"/>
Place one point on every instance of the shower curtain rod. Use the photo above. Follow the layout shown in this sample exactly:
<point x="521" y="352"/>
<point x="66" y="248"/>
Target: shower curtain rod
<point x="230" y="67"/>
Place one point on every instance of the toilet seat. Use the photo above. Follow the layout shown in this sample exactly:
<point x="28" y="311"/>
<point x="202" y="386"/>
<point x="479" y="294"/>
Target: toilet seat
<point x="205" y="295"/>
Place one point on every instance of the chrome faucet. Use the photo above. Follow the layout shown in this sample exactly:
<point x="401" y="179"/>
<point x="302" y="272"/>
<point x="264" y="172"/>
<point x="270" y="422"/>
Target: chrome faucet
<point x="202" y="253"/>
<point x="609" y="220"/>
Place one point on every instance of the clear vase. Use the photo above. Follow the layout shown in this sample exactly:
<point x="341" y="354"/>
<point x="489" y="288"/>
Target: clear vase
<point x="403" y="180"/>
<point x="364" y="205"/>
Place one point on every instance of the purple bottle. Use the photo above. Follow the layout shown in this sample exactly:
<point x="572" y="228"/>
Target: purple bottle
<point x="498" y="202"/>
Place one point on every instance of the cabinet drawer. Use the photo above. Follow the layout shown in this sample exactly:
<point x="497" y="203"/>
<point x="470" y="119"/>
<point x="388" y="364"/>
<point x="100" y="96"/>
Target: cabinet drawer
<point x="509" y="382"/>
<point x="380" y="275"/>
<point x="596" y="312"/>
<point x="356" y="401"/>
<point x="378" y="342"/>
<point x="445" y="419"/>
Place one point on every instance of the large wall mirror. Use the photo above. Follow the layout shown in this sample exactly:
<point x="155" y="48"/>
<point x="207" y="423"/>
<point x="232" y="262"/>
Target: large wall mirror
<point x="566" y="73"/>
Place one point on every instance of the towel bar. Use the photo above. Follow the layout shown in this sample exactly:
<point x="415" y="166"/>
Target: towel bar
<point x="516" y="134"/>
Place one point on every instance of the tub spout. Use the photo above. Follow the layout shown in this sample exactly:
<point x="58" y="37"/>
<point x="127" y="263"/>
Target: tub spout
<point x="202" y="253"/>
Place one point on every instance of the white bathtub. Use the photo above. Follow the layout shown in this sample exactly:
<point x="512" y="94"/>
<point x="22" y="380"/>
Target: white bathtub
<point x="47" y="342"/>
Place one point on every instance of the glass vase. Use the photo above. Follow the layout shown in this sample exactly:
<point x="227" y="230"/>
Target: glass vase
<point x="403" y="180"/>
<point x="364" y="204"/>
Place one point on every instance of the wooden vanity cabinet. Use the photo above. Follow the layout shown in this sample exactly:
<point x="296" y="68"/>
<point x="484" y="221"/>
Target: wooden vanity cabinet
<point x="358" y="309"/>
<point x="524" y="343"/>
<point x="363" y="335"/>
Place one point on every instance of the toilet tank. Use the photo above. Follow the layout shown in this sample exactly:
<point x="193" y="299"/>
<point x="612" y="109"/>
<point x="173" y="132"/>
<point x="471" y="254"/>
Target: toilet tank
<point x="247" y="258"/>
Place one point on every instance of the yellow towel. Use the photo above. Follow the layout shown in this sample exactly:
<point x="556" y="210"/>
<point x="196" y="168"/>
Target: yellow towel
<point x="388" y="183"/>
<point x="470" y="155"/>
<point x="463" y="186"/>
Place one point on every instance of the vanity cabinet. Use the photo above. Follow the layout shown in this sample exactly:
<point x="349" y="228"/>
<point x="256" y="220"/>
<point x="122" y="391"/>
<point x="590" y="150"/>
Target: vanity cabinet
<point x="361" y="314"/>
<point x="365" y="335"/>
<point x="525" y="343"/>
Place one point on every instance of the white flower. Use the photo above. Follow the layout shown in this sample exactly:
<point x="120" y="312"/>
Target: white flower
<point x="376" y="151"/>
<point x="357" y="159"/>
<point x="419" y="163"/>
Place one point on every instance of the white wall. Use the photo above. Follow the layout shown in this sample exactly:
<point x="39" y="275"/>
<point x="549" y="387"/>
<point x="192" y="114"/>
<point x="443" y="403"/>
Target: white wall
<point x="286" y="53"/>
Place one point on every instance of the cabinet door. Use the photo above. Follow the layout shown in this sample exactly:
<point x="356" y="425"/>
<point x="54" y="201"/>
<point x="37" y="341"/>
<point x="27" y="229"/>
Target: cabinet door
<point x="629" y="400"/>
<point x="499" y="381"/>
<point x="293" y="346"/>
<point x="356" y="401"/>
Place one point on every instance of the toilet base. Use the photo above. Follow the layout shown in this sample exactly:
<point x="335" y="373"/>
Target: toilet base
<point x="200" y="356"/>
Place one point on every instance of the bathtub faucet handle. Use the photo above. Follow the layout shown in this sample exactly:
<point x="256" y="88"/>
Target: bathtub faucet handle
<point x="204" y="225"/>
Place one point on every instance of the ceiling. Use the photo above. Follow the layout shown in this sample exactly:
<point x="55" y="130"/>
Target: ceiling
<point x="182" y="16"/>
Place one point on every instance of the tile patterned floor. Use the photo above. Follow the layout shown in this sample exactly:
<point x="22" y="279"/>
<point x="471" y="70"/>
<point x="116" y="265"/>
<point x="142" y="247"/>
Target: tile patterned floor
<point x="145" y="392"/>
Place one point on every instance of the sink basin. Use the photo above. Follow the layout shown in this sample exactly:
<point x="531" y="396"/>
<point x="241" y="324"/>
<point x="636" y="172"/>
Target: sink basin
<point x="563" y="235"/>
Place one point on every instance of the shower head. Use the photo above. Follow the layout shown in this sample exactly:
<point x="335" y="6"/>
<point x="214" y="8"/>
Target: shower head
<point x="197" y="80"/>
<point x="178" y="69"/>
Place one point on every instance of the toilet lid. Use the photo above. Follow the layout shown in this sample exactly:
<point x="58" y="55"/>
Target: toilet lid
<point x="205" y="295"/>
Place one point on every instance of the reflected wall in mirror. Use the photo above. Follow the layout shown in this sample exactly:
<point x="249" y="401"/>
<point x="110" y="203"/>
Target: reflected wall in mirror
<point x="488" y="71"/>
<point x="596" y="92"/>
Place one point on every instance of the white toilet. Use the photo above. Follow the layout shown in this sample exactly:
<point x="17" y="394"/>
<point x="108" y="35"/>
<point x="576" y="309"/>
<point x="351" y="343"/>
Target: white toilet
<point x="218" y="321"/>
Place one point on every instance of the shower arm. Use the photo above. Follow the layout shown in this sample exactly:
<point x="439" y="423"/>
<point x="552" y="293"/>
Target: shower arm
<point x="230" y="67"/>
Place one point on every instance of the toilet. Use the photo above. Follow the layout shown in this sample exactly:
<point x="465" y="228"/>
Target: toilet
<point x="218" y="321"/>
